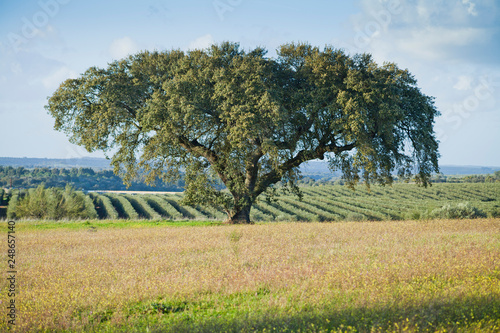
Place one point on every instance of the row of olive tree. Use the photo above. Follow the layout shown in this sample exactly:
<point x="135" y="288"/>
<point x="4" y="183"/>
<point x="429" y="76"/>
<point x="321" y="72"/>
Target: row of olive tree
<point x="51" y="203"/>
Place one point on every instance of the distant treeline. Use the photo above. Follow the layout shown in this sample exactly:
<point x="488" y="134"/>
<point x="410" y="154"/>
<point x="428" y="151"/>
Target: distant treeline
<point x="78" y="178"/>
<point x="316" y="180"/>
<point x="30" y="162"/>
<point x="90" y="179"/>
<point x="492" y="178"/>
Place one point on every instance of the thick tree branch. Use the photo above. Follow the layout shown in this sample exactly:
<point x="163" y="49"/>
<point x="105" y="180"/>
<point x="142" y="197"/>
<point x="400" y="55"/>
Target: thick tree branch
<point x="129" y="110"/>
<point x="252" y="170"/>
<point x="193" y="146"/>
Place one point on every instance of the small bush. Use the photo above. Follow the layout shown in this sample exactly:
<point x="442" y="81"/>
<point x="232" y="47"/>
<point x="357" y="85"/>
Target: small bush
<point x="415" y="215"/>
<point x="494" y="212"/>
<point x="462" y="210"/>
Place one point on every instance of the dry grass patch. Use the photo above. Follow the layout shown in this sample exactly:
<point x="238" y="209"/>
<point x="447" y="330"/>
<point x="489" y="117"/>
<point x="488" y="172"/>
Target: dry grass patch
<point x="367" y="276"/>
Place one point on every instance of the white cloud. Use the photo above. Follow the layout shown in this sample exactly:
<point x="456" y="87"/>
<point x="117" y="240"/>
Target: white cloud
<point x="464" y="82"/>
<point x="56" y="78"/>
<point x="201" y="42"/>
<point x="435" y="43"/>
<point x="424" y="29"/>
<point x="449" y="46"/>
<point x="122" y="47"/>
<point x="471" y="9"/>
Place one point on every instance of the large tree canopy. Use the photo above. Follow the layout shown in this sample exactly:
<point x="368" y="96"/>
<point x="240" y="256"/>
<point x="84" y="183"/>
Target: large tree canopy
<point x="248" y="121"/>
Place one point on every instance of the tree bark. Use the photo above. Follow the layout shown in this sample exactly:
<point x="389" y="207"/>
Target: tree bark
<point x="240" y="215"/>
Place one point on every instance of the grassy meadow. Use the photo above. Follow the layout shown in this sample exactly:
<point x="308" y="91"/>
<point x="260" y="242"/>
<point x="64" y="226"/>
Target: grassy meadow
<point x="116" y="276"/>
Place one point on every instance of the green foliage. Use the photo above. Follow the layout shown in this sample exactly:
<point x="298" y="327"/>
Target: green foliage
<point x="160" y="204"/>
<point x="52" y="203"/>
<point x="225" y="115"/>
<point x="79" y="178"/>
<point x="105" y="206"/>
<point x="249" y="312"/>
<point x="494" y="211"/>
<point x="124" y="205"/>
<point x="323" y="203"/>
<point x="191" y="211"/>
<point x="463" y="210"/>
<point x="89" y="206"/>
<point x="142" y="207"/>
<point x="482" y="178"/>
<point x="36" y="203"/>
<point x="11" y="208"/>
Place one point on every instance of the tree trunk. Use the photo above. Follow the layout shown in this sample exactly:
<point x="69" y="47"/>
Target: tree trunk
<point x="240" y="216"/>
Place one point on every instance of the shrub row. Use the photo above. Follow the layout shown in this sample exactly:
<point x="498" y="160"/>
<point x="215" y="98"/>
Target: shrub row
<point x="51" y="203"/>
<point x="311" y="205"/>
<point x="278" y="214"/>
<point x="323" y="203"/>
<point x="163" y="207"/>
<point x="142" y="207"/>
<point x="104" y="207"/>
<point x="301" y="213"/>
<point x="257" y="214"/>
<point x="187" y="211"/>
<point x="123" y="206"/>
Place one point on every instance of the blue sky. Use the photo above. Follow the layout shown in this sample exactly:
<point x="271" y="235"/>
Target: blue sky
<point x="451" y="46"/>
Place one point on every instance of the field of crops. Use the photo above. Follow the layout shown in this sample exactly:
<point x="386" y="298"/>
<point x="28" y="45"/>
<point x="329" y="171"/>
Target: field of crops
<point x="320" y="203"/>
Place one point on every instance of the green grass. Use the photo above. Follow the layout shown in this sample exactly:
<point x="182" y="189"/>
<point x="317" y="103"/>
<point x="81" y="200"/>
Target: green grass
<point x="231" y="314"/>
<point x="107" y="224"/>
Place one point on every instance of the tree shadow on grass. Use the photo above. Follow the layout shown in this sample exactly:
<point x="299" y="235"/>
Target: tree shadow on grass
<point x="467" y="314"/>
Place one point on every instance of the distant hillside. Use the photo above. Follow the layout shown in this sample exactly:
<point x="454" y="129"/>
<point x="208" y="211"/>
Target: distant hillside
<point x="467" y="170"/>
<point x="321" y="167"/>
<point x="318" y="168"/>
<point x="85" y="162"/>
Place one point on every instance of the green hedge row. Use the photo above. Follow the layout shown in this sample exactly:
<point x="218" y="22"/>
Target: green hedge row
<point x="51" y="203"/>
<point x="123" y="206"/>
